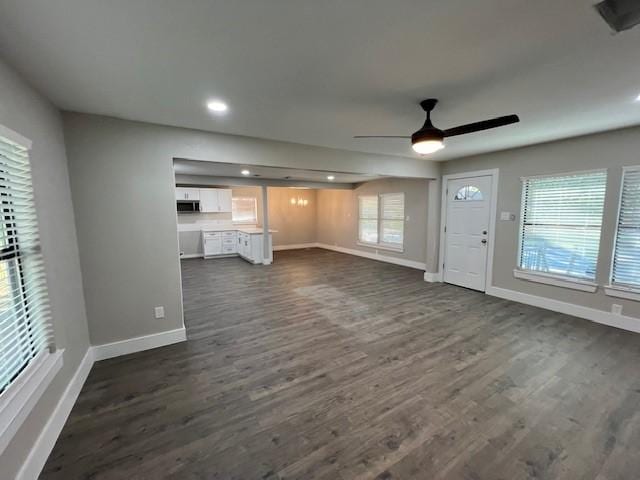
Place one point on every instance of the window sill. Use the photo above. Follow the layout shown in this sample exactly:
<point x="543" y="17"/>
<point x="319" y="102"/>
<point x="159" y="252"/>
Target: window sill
<point x="21" y="396"/>
<point x="556" y="280"/>
<point x="379" y="246"/>
<point x="622" y="292"/>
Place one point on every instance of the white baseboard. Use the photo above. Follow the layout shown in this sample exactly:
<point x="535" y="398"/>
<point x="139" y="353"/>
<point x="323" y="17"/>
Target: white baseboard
<point x="599" y="316"/>
<point x="191" y="255"/>
<point x="139" y="344"/>
<point x="432" y="277"/>
<point x="374" y="256"/>
<point x="43" y="446"/>
<point x="40" y="451"/>
<point x="295" y="246"/>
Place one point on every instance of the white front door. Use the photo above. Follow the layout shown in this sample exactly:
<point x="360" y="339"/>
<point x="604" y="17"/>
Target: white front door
<point x="467" y="231"/>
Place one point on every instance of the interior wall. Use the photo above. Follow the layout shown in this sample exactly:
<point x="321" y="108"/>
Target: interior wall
<point x="32" y="116"/>
<point x="610" y="150"/>
<point x="122" y="181"/>
<point x="294" y="224"/>
<point x="338" y="216"/>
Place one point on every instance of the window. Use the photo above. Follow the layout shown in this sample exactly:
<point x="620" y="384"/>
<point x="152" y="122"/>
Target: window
<point x="381" y="219"/>
<point x="25" y="328"/>
<point x="561" y="223"/>
<point x="368" y="219"/>
<point x="392" y="219"/>
<point x="468" y="193"/>
<point x="626" y="254"/>
<point x="244" y="210"/>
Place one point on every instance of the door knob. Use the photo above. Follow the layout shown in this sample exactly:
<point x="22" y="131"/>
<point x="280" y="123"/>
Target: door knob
<point x="484" y="232"/>
<point x="483" y="240"/>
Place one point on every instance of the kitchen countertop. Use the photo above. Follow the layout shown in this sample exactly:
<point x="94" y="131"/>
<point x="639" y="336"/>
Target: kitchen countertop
<point x="248" y="230"/>
<point x="203" y="227"/>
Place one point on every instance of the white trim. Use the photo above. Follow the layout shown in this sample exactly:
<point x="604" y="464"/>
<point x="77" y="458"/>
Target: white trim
<point x="375" y="256"/>
<point x="15" y="137"/>
<point x="494" y="173"/>
<point x="622" y="292"/>
<point x="139" y="344"/>
<point x="23" y="394"/>
<point x="381" y="246"/>
<point x="599" y="316"/>
<point x="43" y="446"/>
<point x="556" y="280"/>
<point x="433" y="277"/>
<point x="191" y="255"/>
<point x="294" y="246"/>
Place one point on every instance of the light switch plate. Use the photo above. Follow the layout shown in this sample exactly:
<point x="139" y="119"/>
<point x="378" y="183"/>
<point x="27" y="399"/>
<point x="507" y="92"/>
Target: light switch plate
<point x="159" y="312"/>
<point x="507" y="216"/>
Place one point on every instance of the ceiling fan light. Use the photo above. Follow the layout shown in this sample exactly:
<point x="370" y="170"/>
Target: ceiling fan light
<point x="425" y="147"/>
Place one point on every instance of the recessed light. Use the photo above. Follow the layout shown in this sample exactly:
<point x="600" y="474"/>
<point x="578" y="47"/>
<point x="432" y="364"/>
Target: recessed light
<point x="245" y="172"/>
<point x="638" y="98"/>
<point x="330" y="177"/>
<point x="217" y="106"/>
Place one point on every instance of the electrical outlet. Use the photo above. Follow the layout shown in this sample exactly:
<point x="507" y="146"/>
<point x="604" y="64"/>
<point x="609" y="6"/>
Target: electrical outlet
<point x="616" y="309"/>
<point x="159" y="312"/>
<point x="507" y="216"/>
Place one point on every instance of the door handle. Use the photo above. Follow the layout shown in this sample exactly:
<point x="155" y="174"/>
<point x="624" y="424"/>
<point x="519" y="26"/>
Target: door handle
<point x="484" y="240"/>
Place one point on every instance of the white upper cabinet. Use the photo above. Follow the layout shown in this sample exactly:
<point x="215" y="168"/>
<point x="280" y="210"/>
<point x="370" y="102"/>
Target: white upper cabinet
<point x="189" y="194"/>
<point x="215" y="200"/>
<point x="209" y="200"/>
<point x="224" y="200"/>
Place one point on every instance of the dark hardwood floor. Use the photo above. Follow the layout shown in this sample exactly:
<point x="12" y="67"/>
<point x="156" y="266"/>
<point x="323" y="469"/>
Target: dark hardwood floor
<point x="329" y="366"/>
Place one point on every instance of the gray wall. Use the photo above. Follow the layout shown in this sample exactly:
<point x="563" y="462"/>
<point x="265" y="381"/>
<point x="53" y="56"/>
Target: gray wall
<point x="338" y="216"/>
<point x="122" y="182"/>
<point x="294" y="224"/>
<point x="611" y="150"/>
<point x="32" y="116"/>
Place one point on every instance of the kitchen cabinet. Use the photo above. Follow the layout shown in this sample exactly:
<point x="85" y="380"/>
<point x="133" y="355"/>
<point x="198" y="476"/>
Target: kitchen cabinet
<point x="188" y="194"/>
<point x="212" y="243"/>
<point x="249" y="246"/>
<point x="215" y="200"/>
<point x="219" y="243"/>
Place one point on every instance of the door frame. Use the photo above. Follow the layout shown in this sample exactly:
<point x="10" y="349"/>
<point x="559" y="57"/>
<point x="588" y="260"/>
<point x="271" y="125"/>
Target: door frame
<point x="494" y="173"/>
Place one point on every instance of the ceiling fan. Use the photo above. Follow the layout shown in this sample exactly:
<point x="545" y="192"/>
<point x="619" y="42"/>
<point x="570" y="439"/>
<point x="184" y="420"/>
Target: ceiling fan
<point x="430" y="139"/>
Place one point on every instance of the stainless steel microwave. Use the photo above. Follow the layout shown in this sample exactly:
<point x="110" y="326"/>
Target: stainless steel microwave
<point x="188" y="206"/>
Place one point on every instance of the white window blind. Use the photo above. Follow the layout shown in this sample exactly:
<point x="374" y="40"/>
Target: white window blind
<point x="626" y="255"/>
<point x="25" y="327"/>
<point x="368" y="218"/>
<point x="561" y="223"/>
<point x="392" y="218"/>
<point x="244" y="210"/>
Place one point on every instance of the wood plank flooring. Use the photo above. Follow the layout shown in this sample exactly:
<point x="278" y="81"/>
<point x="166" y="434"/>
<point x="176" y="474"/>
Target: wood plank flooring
<point x="329" y="366"/>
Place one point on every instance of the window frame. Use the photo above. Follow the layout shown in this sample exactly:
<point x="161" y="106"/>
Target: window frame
<point x="612" y="289"/>
<point x="551" y="278"/>
<point x="22" y="394"/>
<point x="255" y="211"/>
<point x="395" y="247"/>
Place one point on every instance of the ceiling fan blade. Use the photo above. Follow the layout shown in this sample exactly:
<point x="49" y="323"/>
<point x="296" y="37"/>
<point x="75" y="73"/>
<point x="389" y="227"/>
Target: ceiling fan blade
<point x="381" y="136"/>
<point x="479" y="126"/>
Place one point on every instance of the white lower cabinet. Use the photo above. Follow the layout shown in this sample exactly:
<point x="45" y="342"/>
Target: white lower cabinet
<point x="248" y="246"/>
<point x="212" y="243"/>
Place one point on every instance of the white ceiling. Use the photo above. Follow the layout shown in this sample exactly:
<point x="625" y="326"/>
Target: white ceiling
<point x="231" y="170"/>
<point x="319" y="72"/>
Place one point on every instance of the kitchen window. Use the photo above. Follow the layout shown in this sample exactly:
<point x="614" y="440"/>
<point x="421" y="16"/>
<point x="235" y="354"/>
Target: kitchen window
<point x="561" y="223"/>
<point x="244" y="210"/>
<point x="381" y="220"/>
<point x="27" y="351"/>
